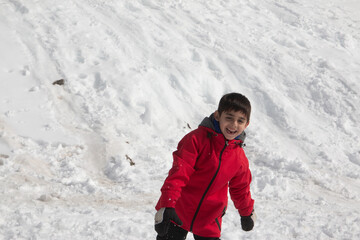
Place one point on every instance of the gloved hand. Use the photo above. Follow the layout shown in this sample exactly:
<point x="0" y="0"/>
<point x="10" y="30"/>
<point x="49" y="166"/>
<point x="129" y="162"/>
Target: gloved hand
<point x="162" y="220"/>
<point x="247" y="222"/>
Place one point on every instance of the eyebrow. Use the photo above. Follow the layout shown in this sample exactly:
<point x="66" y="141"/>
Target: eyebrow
<point x="232" y="115"/>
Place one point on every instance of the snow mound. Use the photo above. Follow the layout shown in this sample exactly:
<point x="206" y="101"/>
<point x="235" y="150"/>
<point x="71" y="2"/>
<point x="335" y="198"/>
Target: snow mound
<point x="86" y="159"/>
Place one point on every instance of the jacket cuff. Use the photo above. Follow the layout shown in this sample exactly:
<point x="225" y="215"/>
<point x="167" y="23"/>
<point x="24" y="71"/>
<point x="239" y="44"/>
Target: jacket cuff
<point x="166" y="201"/>
<point x="247" y="211"/>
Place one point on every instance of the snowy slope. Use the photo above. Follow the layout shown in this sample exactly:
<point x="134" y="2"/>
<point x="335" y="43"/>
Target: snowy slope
<point x="86" y="160"/>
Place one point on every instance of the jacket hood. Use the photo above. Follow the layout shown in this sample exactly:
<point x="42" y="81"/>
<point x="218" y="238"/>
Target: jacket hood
<point x="211" y="123"/>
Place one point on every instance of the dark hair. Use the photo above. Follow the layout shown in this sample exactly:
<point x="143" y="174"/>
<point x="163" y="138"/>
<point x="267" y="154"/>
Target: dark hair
<point x="235" y="102"/>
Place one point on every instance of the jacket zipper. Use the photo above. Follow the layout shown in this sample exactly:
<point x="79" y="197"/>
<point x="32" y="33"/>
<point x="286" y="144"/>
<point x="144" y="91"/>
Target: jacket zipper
<point x="208" y="187"/>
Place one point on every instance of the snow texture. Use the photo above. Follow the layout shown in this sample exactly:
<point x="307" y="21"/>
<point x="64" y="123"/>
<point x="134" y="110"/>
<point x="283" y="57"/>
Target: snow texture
<point x="86" y="160"/>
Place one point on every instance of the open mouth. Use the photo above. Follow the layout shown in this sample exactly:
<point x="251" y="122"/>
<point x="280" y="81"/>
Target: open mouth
<point x="230" y="132"/>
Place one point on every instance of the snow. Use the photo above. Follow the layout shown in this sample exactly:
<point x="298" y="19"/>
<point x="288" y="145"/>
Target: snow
<point x="86" y="160"/>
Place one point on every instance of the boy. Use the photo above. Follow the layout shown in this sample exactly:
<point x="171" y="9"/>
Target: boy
<point x="208" y="161"/>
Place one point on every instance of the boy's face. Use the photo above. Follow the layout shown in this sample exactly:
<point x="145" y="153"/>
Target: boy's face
<point x="232" y="123"/>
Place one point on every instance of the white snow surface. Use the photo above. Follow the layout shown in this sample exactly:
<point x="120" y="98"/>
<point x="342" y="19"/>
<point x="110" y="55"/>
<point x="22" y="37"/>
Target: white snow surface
<point x="87" y="159"/>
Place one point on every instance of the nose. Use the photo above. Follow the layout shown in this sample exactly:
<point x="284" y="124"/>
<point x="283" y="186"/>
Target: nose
<point x="233" y="124"/>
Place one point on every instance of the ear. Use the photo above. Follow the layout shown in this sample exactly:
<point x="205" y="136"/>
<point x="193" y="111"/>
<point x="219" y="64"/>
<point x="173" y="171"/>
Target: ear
<point x="247" y="124"/>
<point x="216" y="115"/>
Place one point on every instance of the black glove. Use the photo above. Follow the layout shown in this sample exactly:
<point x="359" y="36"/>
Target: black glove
<point x="247" y="222"/>
<point x="162" y="220"/>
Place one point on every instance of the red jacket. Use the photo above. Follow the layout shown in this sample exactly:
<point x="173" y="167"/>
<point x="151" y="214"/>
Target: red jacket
<point x="205" y="165"/>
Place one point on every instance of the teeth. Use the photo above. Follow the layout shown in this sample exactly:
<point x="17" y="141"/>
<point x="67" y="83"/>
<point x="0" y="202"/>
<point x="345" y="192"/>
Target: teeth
<point x="232" y="132"/>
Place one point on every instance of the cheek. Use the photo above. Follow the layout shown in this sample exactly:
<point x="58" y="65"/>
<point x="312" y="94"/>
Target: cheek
<point x="240" y="126"/>
<point x="243" y="126"/>
<point x="223" y="126"/>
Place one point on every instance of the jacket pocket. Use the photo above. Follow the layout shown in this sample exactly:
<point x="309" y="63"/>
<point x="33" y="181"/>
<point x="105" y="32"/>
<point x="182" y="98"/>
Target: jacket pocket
<point x="224" y="211"/>
<point x="218" y="223"/>
<point x="217" y="219"/>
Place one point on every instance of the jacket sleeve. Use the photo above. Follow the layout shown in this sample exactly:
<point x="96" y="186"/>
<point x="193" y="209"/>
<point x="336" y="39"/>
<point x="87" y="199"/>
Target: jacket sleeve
<point x="239" y="188"/>
<point x="184" y="159"/>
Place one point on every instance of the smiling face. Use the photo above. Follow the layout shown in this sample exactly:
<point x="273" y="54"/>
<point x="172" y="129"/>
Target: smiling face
<point x="232" y="123"/>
